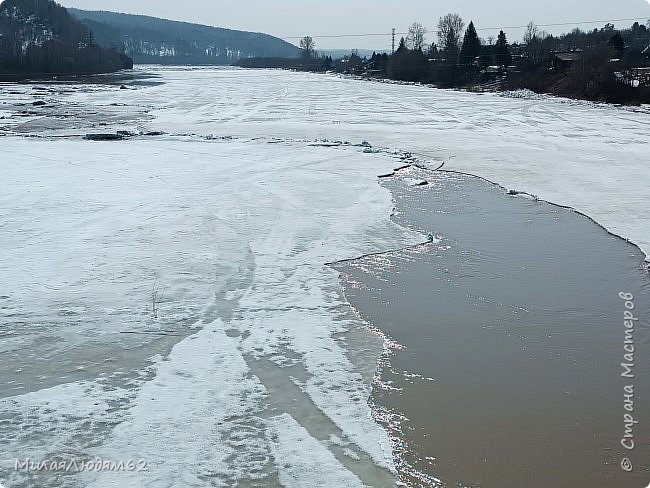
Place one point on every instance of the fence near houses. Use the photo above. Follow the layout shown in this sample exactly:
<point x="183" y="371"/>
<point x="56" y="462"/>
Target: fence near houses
<point x="642" y="75"/>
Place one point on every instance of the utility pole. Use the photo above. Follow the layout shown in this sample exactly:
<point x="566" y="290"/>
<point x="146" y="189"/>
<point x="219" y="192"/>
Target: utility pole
<point x="393" y="40"/>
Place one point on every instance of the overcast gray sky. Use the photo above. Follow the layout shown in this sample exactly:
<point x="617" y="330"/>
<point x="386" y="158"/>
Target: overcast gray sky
<point x="286" y="18"/>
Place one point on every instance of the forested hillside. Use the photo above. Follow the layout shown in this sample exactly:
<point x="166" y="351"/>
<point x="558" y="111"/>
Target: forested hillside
<point x="153" y="40"/>
<point x="41" y="37"/>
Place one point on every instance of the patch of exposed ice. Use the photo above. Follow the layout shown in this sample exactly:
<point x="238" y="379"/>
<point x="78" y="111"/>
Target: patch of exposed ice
<point x="319" y="468"/>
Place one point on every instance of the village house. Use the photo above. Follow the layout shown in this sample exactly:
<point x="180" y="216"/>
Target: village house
<point x="563" y="60"/>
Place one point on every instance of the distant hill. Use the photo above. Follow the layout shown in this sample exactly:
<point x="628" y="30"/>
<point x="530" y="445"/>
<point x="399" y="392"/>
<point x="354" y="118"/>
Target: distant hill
<point x="41" y="37"/>
<point x="340" y="53"/>
<point x="158" y="41"/>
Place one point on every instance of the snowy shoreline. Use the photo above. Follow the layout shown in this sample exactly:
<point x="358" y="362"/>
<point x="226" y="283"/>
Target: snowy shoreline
<point x="520" y="93"/>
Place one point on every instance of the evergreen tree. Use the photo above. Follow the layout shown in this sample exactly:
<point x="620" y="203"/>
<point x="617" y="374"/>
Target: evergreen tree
<point x="502" y="53"/>
<point x="402" y="45"/>
<point x="407" y="65"/>
<point x="617" y="42"/>
<point x="451" y="47"/>
<point x="355" y="63"/>
<point x="471" y="45"/>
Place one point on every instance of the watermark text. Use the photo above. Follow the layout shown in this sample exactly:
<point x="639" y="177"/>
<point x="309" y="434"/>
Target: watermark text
<point x="627" y="372"/>
<point x="80" y="466"/>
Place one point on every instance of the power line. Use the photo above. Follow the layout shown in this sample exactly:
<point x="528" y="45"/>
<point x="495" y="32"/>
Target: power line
<point x="567" y="23"/>
<point x="561" y="24"/>
<point x="346" y="35"/>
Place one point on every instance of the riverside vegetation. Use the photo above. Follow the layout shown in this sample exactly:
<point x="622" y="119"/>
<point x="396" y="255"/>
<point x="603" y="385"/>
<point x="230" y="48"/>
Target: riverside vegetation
<point x="605" y="64"/>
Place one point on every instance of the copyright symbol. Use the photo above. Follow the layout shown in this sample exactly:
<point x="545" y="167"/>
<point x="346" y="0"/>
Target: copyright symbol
<point x="626" y="464"/>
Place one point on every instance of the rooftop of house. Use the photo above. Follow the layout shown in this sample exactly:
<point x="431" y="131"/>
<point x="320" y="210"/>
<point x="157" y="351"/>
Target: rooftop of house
<point x="570" y="56"/>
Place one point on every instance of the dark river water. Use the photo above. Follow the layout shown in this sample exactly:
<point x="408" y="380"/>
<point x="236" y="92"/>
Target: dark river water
<point x="509" y="334"/>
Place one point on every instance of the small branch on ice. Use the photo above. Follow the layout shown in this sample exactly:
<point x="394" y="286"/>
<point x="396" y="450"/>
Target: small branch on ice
<point x="431" y="239"/>
<point x="515" y="193"/>
<point x="157" y="295"/>
<point x="445" y="162"/>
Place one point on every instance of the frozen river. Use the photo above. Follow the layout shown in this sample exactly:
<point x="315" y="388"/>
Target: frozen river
<point x="165" y="298"/>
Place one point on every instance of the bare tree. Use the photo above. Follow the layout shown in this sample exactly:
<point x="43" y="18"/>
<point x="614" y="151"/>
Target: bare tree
<point x="450" y="30"/>
<point x="531" y="32"/>
<point x="534" y="39"/>
<point x="308" y="47"/>
<point x="415" y="37"/>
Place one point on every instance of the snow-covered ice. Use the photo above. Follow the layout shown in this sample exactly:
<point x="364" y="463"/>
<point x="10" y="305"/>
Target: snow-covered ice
<point x="254" y="362"/>
<point x="237" y="234"/>
<point x="591" y="157"/>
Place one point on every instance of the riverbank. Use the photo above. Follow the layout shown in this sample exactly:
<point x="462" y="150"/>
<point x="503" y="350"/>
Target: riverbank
<point x="559" y="83"/>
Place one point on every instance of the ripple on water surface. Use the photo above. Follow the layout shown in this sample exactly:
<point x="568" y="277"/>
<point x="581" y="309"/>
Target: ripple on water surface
<point x="507" y="335"/>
